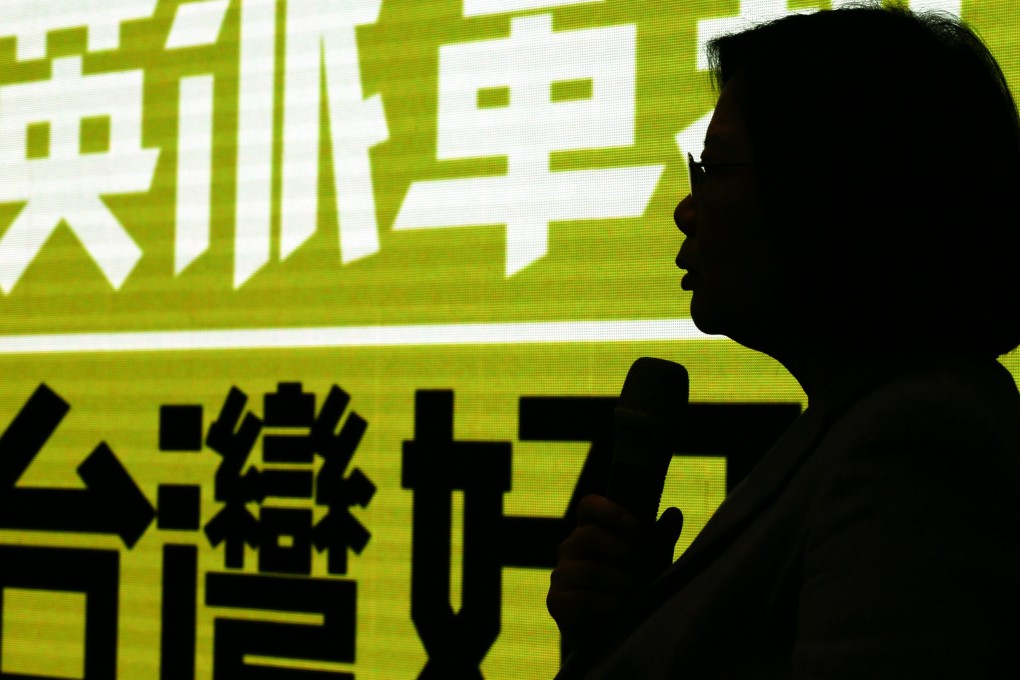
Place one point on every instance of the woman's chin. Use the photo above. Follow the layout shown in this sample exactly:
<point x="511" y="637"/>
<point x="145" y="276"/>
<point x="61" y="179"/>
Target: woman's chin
<point x="702" y="317"/>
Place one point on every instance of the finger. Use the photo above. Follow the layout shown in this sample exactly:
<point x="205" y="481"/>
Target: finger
<point x="665" y="534"/>
<point x="600" y="510"/>
<point x="592" y="542"/>
<point x="589" y="576"/>
<point x="578" y="609"/>
<point x="668" y="527"/>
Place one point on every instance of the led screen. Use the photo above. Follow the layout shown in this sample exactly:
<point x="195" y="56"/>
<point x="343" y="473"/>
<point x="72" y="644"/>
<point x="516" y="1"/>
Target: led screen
<point x="314" y="314"/>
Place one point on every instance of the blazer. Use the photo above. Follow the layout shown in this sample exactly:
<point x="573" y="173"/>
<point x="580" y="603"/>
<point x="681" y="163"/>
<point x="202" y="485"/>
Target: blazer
<point x="878" y="538"/>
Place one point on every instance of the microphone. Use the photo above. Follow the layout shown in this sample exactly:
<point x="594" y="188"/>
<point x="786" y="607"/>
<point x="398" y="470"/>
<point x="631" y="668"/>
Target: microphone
<point x="652" y="401"/>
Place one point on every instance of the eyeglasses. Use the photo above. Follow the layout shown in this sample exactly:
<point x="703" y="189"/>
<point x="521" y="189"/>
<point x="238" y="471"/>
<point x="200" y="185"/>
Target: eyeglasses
<point x="698" y="173"/>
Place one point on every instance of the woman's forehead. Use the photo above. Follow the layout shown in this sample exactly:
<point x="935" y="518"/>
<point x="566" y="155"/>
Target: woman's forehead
<point x="727" y="131"/>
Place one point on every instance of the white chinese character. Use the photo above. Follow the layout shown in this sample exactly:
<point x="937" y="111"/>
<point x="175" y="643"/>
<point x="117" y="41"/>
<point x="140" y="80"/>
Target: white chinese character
<point x="527" y="127"/>
<point x="195" y="24"/>
<point x="322" y="45"/>
<point x="67" y="183"/>
<point x="474" y="8"/>
<point x="30" y="20"/>
<point x="255" y="121"/>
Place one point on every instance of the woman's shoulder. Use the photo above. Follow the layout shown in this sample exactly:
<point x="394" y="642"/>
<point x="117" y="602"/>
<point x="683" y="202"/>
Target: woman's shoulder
<point x="945" y="402"/>
<point x="944" y="437"/>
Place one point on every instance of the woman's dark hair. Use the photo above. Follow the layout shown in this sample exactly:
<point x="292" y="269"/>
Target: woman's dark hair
<point x="887" y="146"/>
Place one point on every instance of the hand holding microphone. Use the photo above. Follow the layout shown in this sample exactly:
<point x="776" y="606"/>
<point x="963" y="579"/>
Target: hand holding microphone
<point x="618" y="547"/>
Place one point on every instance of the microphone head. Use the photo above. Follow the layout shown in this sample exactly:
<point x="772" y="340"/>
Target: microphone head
<point x="656" y="388"/>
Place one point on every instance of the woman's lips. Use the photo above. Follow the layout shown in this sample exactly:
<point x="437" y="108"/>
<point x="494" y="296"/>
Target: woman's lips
<point x="689" y="278"/>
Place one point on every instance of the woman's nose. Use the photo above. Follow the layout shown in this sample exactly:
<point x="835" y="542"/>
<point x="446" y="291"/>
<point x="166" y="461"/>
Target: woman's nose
<point x="683" y="215"/>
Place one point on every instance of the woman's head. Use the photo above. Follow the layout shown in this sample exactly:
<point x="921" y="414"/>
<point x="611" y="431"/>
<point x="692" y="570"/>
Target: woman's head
<point x="887" y="154"/>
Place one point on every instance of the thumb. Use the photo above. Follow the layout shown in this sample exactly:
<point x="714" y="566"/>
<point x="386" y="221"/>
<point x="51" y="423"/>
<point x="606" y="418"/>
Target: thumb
<point x="667" y="531"/>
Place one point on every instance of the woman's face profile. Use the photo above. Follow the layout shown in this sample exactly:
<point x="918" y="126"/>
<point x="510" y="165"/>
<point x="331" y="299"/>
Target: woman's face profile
<point x="730" y="260"/>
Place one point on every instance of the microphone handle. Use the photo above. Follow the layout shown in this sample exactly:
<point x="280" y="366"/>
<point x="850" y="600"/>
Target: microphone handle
<point x="640" y="464"/>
